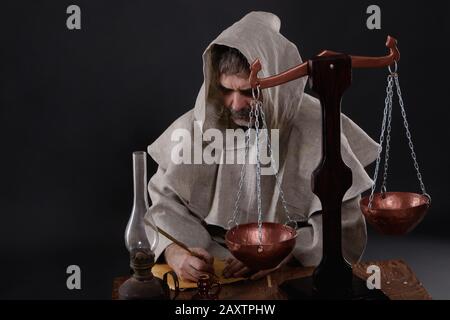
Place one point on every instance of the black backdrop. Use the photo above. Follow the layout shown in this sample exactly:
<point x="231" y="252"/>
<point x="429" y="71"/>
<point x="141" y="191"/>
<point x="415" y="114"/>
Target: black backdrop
<point x="75" y="104"/>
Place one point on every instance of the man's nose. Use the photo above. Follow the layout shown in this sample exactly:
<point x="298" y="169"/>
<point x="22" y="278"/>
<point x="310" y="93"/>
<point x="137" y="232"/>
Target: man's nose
<point x="238" y="102"/>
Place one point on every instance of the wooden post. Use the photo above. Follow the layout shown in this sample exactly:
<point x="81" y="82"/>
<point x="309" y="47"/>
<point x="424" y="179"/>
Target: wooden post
<point x="333" y="278"/>
<point x="329" y="78"/>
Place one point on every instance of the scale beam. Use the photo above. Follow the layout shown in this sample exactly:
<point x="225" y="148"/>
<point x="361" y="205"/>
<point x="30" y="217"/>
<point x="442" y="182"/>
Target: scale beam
<point x="303" y="70"/>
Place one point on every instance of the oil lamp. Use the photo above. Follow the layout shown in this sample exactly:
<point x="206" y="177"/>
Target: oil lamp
<point x="141" y="241"/>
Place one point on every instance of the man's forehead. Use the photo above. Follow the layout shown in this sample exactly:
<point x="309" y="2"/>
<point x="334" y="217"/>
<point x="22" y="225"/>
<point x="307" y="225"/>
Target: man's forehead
<point x="235" y="81"/>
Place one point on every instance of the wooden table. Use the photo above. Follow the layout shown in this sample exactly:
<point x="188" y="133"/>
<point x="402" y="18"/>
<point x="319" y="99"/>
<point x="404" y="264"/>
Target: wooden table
<point x="398" y="282"/>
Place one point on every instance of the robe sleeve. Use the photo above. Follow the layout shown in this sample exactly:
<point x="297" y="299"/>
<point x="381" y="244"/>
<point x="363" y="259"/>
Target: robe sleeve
<point x="308" y="248"/>
<point x="171" y="214"/>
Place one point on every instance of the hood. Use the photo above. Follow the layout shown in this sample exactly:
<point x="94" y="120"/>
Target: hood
<point x="257" y="36"/>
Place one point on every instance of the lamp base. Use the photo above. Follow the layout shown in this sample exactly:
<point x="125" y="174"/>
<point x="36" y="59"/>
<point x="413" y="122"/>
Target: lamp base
<point x="303" y="289"/>
<point x="151" y="289"/>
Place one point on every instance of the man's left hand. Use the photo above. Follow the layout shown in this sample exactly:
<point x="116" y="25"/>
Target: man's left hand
<point x="235" y="268"/>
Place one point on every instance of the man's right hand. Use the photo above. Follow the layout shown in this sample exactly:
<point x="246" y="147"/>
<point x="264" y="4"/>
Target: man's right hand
<point x="186" y="266"/>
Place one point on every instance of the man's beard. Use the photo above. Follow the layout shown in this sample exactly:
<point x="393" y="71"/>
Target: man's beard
<point x="237" y="119"/>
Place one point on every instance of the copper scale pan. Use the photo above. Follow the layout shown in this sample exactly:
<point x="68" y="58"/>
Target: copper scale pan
<point x="395" y="213"/>
<point x="278" y="241"/>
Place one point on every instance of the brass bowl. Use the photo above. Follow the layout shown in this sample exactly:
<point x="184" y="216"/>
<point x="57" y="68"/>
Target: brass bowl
<point x="395" y="213"/>
<point x="277" y="243"/>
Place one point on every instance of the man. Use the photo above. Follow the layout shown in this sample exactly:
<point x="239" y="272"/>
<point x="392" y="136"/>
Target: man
<point x="195" y="202"/>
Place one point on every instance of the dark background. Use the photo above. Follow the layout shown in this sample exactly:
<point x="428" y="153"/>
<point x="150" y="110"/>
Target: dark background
<point x="74" y="105"/>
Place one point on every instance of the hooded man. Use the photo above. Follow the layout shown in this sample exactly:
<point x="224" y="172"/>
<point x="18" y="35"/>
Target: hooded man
<point x="195" y="202"/>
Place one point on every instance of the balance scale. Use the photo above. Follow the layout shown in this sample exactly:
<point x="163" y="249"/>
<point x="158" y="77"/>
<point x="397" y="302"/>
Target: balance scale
<point x="263" y="245"/>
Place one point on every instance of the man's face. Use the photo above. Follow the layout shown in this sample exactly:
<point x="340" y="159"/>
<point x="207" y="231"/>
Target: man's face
<point x="236" y="95"/>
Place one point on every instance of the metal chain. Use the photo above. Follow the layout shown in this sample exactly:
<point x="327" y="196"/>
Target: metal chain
<point x="387" y="113"/>
<point x="257" y="111"/>
<point x="383" y="129"/>
<point x="390" y="94"/>
<point x="258" y="171"/>
<point x="408" y="135"/>
<point x="233" y="220"/>
<point x="277" y="179"/>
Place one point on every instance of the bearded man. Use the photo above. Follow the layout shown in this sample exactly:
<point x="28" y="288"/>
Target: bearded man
<point x="195" y="202"/>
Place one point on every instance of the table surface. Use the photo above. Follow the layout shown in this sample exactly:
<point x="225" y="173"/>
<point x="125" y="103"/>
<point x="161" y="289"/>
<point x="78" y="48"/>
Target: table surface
<point x="398" y="282"/>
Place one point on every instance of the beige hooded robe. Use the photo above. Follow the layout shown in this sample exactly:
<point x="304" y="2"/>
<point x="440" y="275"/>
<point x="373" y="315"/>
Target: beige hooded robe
<point x="186" y="196"/>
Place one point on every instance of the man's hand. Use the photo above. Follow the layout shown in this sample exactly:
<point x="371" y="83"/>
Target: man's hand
<point x="186" y="266"/>
<point x="236" y="269"/>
